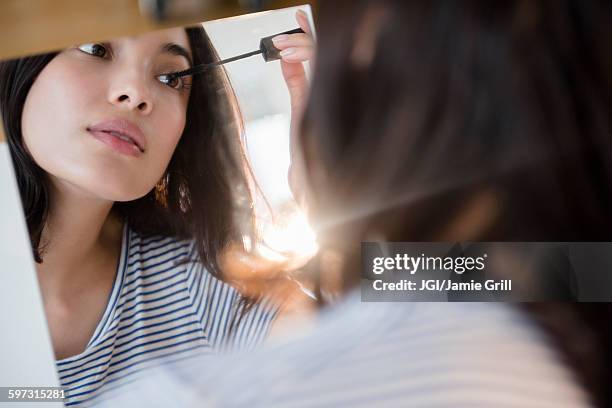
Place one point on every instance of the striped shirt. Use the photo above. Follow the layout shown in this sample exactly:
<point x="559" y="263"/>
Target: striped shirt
<point x="161" y="309"/>
<point x="380" y="355"/>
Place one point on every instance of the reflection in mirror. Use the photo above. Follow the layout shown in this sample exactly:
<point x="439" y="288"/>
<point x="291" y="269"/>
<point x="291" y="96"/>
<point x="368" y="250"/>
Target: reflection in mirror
<point x="156" y="202"/>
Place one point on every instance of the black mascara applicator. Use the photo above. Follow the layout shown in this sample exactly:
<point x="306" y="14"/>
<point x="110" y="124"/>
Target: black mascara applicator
<point x="266" y="49"/>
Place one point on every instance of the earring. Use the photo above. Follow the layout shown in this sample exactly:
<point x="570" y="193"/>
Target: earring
<point x="161" y="190"/>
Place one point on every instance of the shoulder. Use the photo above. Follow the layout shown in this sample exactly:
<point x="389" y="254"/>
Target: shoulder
<point x="228" y="319"/>
<point x="443" y="354"/>
<point x="433" y="354"/>
<point x="156" y="270"/>
<point x="489" y="354"/>
<point x="155" y="251"/>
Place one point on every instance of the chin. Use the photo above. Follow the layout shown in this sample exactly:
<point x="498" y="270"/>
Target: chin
<point x="124" y="196"/>
<point x="120" y="192"/>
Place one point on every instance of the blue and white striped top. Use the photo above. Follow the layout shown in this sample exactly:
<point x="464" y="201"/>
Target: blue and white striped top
<point x="161" y="309"/>
<point x="379" y="355"/>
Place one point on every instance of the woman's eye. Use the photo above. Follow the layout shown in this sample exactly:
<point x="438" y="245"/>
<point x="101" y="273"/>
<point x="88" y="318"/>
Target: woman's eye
<point x="97" y="50"/>
<point x="173" y="81"/>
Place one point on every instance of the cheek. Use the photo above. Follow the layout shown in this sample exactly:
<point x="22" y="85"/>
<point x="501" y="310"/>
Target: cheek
<point x="54" y="109"/>
<point x="170" y="122"/>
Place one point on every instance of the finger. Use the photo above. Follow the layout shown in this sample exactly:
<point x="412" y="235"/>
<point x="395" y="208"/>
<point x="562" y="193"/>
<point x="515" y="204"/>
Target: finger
<point x="294" y="74"/>
<point x="292" y="40"/>
<point x="302" y="20"/>
<point x="295" y="77"/>
<point x="297" y="54"/>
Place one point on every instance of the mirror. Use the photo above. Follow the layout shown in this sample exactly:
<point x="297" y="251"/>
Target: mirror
<point x="134" y="183"/>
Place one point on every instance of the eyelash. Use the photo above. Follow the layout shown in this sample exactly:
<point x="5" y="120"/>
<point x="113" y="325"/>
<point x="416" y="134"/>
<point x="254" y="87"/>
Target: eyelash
<point x="184" y="84"/>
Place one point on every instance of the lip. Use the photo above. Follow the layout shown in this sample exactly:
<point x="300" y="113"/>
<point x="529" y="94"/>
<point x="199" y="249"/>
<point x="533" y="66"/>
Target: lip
<point x="114" y="131"/>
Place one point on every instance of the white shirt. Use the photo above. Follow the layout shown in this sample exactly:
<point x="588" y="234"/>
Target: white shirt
<point x="381" y="355"/>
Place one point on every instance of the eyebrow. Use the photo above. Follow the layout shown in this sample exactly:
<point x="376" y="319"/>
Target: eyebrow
<point x="175" y="49"/>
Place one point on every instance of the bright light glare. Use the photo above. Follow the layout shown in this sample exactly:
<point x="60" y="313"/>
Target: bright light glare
<point x="290" y="237"/>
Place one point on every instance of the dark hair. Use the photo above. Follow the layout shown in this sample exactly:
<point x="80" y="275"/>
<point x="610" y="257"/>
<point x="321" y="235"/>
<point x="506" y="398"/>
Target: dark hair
<point x="419" y="106"/>
<point x="207" y="170"/>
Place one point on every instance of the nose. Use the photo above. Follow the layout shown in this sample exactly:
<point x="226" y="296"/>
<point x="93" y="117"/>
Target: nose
<point x="131" y="92"/>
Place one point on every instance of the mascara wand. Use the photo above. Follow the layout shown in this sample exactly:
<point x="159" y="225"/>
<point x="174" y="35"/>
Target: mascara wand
<point x="266" y="48"/>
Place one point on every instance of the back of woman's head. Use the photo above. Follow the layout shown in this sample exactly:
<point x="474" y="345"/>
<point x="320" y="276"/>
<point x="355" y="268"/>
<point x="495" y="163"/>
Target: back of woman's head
<point x="430" y="108"/>
<point x="467" y="121"/>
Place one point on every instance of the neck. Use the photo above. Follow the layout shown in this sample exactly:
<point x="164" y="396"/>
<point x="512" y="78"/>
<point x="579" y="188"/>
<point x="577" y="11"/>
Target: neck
<point x="79" y="233"/>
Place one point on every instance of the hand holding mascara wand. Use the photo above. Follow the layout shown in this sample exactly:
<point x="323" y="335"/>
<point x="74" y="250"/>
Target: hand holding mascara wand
<point x="293" y="48"/>
<point x="266" y="49"/>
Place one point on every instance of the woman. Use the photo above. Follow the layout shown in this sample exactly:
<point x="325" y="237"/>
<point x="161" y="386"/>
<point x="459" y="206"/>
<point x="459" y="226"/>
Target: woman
<point x="442" y="121"/>
<point x="133" y="185"/>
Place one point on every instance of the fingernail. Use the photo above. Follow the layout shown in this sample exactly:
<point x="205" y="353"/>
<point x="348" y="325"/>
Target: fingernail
<point x="287" y="52"/>
<point x="280" y="38"/>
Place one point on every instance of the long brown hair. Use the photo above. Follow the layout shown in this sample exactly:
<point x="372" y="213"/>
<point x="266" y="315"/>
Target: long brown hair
<point x="419" y="106"/>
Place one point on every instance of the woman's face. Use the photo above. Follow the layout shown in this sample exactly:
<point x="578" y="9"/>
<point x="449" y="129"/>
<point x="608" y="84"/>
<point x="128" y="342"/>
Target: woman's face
<point x="99" y="117"/>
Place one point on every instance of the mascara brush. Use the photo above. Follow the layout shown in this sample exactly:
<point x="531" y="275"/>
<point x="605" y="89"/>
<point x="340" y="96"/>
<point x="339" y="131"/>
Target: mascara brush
<point x="266" y="49"/>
